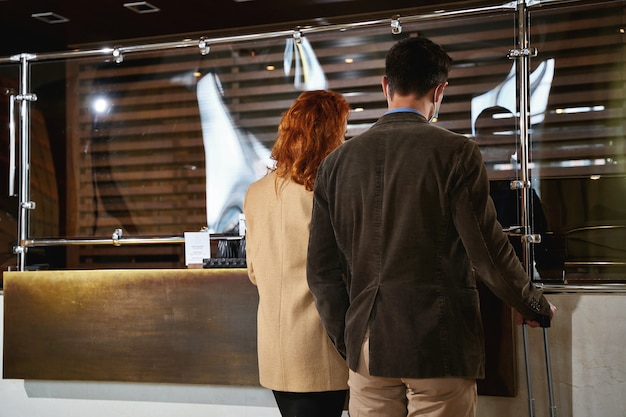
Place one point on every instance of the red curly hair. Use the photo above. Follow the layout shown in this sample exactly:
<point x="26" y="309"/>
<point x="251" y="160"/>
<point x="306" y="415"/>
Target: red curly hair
<point x="309" y="130"/>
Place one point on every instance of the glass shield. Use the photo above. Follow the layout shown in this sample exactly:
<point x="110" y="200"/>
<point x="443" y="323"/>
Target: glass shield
<point x="157" y="143"/>
<point x="578" y="148"/>
<point x="9" y="153"/>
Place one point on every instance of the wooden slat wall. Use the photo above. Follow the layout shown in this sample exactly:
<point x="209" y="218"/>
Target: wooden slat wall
<point x="141" y="167"/>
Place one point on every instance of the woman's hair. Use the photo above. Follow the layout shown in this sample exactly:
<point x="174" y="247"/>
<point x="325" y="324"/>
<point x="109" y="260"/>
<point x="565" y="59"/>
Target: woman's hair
<point x="314" y="125"/>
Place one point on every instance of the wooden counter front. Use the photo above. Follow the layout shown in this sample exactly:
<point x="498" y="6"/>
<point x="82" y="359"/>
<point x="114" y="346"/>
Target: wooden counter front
<point x="190" y="326"/>
<point x="174" y="326"/>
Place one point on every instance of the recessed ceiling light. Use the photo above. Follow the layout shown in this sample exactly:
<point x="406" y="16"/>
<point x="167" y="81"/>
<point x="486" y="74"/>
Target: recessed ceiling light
<point x="141" y="7"/>
<point x="50" y="17"/>
<point x="241" y="1"/>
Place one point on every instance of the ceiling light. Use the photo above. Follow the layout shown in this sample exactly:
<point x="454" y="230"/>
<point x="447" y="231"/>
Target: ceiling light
<point x="101" y="105"/>
<point x="50" y="17"/>
<point x="141" y="7"/>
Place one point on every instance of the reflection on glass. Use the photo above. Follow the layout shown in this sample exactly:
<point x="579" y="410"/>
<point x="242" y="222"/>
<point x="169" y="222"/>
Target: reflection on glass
<point x="309" y="74"/>
<point x="163" y="119"/>
<point x="504" y="95"/>
<point x="234" y="159"/>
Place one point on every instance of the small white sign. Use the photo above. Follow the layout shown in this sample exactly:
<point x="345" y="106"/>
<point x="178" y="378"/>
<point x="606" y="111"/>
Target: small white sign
<point x="197" y="247"/>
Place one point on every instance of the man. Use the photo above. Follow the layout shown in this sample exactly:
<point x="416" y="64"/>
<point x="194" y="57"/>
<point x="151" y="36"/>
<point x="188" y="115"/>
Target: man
<point x="402" y="224"/>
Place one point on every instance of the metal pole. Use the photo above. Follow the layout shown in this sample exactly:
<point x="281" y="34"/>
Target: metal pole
<point x="523" y="72"/>
<point x="25" y="97"/>
<point x="529" y="385"/>
<point x="524" y="53"/>
<point x="157" y="46"/>
<point x="523" y="184"/>
<point x="546" y="347"/>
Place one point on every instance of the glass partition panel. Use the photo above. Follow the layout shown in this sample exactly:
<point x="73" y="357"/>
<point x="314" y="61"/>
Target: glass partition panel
<point x="578" y="148"/>
<point x="9" y="121"/>
<point x="163" y="142"/>
<point x="166" y="142"/>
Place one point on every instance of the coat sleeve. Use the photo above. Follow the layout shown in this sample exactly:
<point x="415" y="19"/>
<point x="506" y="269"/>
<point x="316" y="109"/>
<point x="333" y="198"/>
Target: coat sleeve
<point x="324" y="269"/>
<point x="488" y="247"/>
<point x="250" y="238"/>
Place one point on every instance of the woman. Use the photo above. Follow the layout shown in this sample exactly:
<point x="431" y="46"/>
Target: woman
<point x="297" y="360"/>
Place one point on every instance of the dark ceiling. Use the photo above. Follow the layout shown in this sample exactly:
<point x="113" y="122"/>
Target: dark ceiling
<point x="100" y="22"/>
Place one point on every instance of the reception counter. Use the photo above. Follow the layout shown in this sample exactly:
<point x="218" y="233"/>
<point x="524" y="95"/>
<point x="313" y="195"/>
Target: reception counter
<point x="80" y="339"/>
<point x="183" y="326"/>
<point x="189" y="326"/>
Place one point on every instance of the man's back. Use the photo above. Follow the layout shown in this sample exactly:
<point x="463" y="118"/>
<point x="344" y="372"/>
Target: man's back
<point x="401" y="199"/>
<point x="403" y="214"/>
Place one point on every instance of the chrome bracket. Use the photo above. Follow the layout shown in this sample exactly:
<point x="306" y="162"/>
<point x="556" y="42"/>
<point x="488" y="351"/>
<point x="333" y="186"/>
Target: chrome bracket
<point x="396" y="26"/>
<point x="517" y="53"/>
<point x="19" y="250"/>
<point x="28" y="205"/>
<point x="26" y="97"/>
<point x="519" y="184"/>
<point x="297" y="36"/>
<point x="519" y="231"/>
<point x="117" y="236"/>
<point x="117" y="55"/>
<point x="531" y="238"/>
<point x="20" y="57"/>
<point x="204" y="46"/>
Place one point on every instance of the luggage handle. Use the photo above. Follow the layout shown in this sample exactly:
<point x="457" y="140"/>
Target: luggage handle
<point x="546" y="345"/>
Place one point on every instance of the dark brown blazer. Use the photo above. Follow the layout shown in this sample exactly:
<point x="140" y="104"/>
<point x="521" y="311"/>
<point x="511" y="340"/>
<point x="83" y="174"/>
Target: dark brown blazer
<point x="403" y="214"/>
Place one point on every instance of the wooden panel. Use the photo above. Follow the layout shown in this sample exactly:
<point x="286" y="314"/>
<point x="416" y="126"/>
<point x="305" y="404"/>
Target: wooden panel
<point x="175" y="326"/>
<point x="500" y="354"/>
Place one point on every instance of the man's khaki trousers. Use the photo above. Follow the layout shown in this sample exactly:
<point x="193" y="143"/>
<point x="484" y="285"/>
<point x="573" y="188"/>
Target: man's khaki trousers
<point x="372" y="396"/>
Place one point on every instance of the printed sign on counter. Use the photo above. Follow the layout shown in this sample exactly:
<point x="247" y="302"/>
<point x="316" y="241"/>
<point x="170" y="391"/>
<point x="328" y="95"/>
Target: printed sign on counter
<point x="197" y="248"/>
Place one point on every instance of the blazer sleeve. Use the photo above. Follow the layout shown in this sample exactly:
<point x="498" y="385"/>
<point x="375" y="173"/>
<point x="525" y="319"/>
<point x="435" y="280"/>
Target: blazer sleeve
<point x="488" y="247"/>
<point x="324" y="269"/>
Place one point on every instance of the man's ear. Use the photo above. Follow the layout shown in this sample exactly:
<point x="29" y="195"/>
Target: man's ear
<point x="439" y="91"/>
<point x="384" y="82"/>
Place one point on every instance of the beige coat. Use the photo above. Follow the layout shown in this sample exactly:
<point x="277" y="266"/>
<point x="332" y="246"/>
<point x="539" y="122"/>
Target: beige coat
<point x="295" y="353"/>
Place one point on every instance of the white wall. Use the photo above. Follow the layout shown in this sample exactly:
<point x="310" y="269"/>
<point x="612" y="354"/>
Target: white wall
<point x="587" y="346"/>
<point x="587" y="343"/>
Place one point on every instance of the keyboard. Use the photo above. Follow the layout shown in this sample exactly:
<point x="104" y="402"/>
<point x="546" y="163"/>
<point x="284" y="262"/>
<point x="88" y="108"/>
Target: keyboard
<point x="224" y="263"/>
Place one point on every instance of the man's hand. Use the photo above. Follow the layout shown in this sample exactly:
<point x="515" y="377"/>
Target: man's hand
<point x="532" y="323"/>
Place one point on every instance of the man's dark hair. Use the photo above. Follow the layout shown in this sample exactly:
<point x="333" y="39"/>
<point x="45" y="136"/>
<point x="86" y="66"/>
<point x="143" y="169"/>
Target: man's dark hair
<point x="414" y="65"/>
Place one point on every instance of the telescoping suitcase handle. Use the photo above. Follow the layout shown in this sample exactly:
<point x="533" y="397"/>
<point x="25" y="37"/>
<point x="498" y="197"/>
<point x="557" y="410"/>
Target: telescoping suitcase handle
<point x="545" y="324"/>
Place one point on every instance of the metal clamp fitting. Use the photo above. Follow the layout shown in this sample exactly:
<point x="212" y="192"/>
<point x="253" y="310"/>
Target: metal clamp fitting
<point x="519" y="184"/>
<point x="28" y="205"/>
<point x="117" y="236"/>
<point x="531" y="238"/>
<point x="516" y="53"/>
<point x="26" y="97"/>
